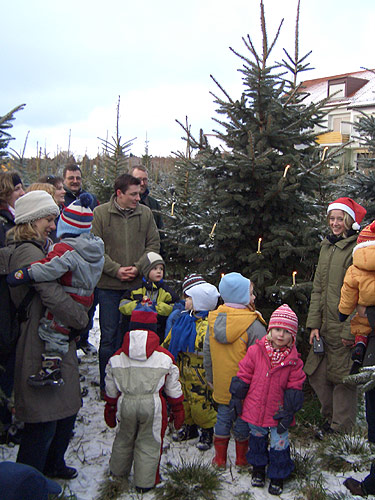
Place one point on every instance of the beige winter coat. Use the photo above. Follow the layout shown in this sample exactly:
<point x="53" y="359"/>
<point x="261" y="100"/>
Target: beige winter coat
<point x="127" y="238"/>
<point x="35" y="405"/>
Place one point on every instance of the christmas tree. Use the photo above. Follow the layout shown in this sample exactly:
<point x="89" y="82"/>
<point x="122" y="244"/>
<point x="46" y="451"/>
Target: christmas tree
<point x="258" y="198"/>
<point x="112" y="163"/>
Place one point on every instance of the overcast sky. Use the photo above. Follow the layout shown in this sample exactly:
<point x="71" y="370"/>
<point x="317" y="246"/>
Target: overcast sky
<point x="69" y="61"/>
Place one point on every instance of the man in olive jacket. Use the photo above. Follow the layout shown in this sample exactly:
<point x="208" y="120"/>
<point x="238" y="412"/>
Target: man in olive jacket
<point x="129" y="232"/>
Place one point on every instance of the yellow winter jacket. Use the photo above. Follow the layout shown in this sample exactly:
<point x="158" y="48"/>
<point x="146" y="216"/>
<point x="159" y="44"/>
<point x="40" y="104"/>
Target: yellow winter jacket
<point x="230" y="332"/>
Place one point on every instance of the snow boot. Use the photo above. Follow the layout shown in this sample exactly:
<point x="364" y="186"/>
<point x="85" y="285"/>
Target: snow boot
<point x="258" y="477"/>
<point x="275" y="487"/>
<point x="241" y="449"/>
<point x="186" y="432"/>
<point x="221" y="447"/>
<point x="49" y="375"/>
<point x="205" y="439"/>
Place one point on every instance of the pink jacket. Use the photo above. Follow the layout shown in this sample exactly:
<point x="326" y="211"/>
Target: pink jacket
<point x="267" y="385"/>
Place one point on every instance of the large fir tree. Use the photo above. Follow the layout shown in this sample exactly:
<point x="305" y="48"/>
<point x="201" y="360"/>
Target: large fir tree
<point x="5" y="125"/>
<point x="263" y="183"/>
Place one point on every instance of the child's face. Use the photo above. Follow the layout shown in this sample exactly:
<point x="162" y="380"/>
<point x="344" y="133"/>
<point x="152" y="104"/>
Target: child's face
<point x="280" y="337"/>
<point x="252" y="295"/>
<point x="156" y="273"/>
<point x="188" y="304"/>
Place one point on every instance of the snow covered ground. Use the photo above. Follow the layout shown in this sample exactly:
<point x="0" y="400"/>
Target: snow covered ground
<point x="90" y="450"/>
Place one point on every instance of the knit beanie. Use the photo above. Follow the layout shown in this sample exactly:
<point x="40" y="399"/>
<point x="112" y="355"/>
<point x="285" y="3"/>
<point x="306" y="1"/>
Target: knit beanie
<point x="33" y="206"/>
<point x="77" y="217"/>
<point x="16" y="179"/>
<point x="192" y="280"/>
<point x="285" y="318"/>
<point x="235" y="288"/>
<point x="356" y="211"/>
<point x="144" y="317"/>
<point x="151" y="260"/>
<point x="204" y="296"/>
<point x="367" y="233"/>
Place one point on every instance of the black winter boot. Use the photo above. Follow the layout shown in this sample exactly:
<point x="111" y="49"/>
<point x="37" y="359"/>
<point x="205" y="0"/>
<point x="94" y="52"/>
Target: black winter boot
<point x="205" y="439"/>
<point x="50" y="374"/>
<point x="186" y="432"/>
<point x="258" y="477"/>
<point x="276" y="487"/>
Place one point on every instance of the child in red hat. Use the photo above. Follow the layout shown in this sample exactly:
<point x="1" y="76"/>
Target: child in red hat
<point x="138" y="376"/>
<point x="267" y="392"/>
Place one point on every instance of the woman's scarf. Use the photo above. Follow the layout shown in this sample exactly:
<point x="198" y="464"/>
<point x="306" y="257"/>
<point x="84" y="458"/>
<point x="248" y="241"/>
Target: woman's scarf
<point x="183" y="332"/>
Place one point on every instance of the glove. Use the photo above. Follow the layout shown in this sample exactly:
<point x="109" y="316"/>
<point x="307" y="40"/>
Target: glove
<point x="235" y="408"/>
<point x="110" y="411"/>
<point x="19" y="277"/>
<point x="285" y="419"/>
<point x="238" y="388"/>
<point x="177" y="415"/>
<point x="342" y="317"/>
<point x="358" y="352"/>
<point x="293" y="401"/>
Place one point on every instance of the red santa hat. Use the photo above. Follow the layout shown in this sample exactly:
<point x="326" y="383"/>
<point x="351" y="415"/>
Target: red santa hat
<point x="367" y="233"/>
<point x="356" y="211"/>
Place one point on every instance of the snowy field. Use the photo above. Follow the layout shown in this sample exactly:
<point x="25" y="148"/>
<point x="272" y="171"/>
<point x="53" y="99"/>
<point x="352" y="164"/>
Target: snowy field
<point x="90" y="450"/>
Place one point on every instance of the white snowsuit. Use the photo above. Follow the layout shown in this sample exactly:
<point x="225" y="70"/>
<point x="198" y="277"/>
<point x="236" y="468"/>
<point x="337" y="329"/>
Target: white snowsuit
<point x="140" y="370"/>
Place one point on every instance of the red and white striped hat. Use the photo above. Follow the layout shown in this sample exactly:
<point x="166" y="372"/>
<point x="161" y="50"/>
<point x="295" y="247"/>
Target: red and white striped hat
<point x="284" y="317"/>
<point x="77" y="217"/>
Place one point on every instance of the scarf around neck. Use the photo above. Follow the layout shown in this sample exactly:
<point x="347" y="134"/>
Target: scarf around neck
<point x="183" y="332"/>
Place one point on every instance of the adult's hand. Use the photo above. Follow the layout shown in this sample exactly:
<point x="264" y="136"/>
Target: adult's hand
<point x="314" y="334"/>
<point x="347" y="343"/>
<point x="131" y="273"/>
<point x="122" y="273"/>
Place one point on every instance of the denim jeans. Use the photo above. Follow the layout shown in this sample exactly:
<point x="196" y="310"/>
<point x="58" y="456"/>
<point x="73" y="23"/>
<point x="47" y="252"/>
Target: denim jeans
<point x="43" y="445"/>
<point x="110" y="332"/>
<point x="224" y="424"/>
<point x="277" y="441"/>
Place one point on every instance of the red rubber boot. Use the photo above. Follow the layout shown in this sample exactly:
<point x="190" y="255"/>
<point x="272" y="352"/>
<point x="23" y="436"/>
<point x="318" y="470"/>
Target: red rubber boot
<point x="221" y="447"/>
<point x="241" y="449"/>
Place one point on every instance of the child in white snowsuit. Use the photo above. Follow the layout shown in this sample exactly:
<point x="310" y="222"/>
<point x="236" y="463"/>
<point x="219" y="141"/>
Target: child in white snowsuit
<point x="137" y="376"/>
<point x="77" y="261"/>
<point x="267" y="392"/>
<point x="185" y="341"/>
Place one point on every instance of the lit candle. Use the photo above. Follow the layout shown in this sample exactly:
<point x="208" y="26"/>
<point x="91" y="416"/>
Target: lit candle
<point x="222" y="275"/>
<point x="259" y="242"/>
<point x="213" y="230"/>
<point x="294" y="278"/>
<point x="172" y="209"/>
<point x="286" y="170"/>
<point x="324" y="152"/>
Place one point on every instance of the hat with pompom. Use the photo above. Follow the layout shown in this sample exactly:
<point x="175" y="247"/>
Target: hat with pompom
<point x="349" y="206"/>
<point x="367" y="233"/>
<point x="144" y="316"/>
<point x="284" y="317"/>
<point x="77" y="217"/>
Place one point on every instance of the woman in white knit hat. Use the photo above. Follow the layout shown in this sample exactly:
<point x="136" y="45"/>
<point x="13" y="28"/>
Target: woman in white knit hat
<point x="49" y="415"/>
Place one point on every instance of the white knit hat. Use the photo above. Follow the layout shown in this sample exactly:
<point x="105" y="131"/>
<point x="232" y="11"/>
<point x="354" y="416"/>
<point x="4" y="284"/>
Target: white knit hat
<point x="33" y="206"/>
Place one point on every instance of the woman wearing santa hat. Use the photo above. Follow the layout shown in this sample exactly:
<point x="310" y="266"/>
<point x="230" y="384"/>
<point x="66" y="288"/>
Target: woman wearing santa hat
<point x="326" y="370"/>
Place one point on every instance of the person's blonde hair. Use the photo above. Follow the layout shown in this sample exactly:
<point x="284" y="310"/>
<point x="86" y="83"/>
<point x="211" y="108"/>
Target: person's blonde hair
<point x="23" y="232"/>
<point x="6" y="186"/>
<point x="42" y="186"/>
<point x="348" y="222"/>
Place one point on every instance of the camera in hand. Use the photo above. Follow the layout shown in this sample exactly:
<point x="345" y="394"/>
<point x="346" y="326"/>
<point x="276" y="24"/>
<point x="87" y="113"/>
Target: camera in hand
<point x="318" y="346"/>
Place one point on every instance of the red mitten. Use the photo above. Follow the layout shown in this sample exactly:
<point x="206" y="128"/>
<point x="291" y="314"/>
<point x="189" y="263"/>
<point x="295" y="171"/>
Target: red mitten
<point x="110" y="411"/>
<point x="177" y="415"/>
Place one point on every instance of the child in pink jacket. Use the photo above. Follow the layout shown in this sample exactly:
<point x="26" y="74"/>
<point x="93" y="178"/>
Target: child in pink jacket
<point x="267" y="392"/>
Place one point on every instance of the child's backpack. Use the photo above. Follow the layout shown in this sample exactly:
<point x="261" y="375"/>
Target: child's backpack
<point x="11" y="316"/>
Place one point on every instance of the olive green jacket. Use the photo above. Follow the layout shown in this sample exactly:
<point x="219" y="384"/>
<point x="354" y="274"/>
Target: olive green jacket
<point x="334" y="260"/>
<point x="127" y="238"/>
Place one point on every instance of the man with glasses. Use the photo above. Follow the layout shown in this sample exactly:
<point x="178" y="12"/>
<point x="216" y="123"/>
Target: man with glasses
<point x="73" y="185"/>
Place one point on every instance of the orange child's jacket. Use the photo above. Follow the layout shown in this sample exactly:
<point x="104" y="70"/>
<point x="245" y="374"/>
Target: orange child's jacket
<point x="359" y="286"/>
